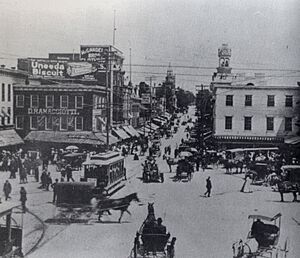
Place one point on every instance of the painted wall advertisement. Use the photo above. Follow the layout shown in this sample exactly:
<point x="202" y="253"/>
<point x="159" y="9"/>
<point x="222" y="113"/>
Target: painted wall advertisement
<point x="97" y="54"/>
<point x="43" y="67"/>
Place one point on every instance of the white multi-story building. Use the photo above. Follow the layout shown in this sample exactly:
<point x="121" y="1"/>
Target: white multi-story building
<point x="253" y="111"/>
<point x="8" y="136"/>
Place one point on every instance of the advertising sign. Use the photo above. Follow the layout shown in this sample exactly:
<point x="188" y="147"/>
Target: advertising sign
<point x="79" y="69"/>
<point x="145" y="98"/>
<point x="43" y="67"/>
<point x="91" y="53"/>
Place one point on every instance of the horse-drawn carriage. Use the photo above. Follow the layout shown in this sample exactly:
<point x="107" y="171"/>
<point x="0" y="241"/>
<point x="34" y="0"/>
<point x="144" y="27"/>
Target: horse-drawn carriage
<point x="152" y="239"/>
<point x="151" y="172"/>
<point x="155" y="150"/>
<point x="184" y="170"/>
<point x="265" y="231"/>
<point x="289" y="181"/>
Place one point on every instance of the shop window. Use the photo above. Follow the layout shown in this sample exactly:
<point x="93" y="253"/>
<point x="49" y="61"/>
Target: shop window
<point x="270" y="123"/>
<point x="288" y="124"/>
<point x="229" y="100"/>
<point x="64" y="123"/>
<point x="271" y="101"/>
<point x="49" y="123"/>
<point x="289" y="100"/>
<point x="79" y="123"/>
<point x="19" y="122"/>
<point x="49" y="101"/>
<point x="34" y="101"/>
<point x="248" y="100"/>
<point x="33" y="123"/>
<point x="79" y="102"/>
<point x="20" y="101"/>
<point x="248" y="123"/>
<point x="64" y="101"/>
<point x="228" y="122"/>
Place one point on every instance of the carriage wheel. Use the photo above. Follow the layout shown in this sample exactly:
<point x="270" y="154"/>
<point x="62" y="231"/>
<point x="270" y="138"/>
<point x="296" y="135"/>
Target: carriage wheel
<point x="286" y="247"/>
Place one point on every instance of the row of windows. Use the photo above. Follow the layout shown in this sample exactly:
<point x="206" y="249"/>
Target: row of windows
<point x="34" y="101"/>
<point x="269" y="123"/>
<point x="270" y="100"/>
<point x="49" y="123"/>
<point x="5" y="97"/>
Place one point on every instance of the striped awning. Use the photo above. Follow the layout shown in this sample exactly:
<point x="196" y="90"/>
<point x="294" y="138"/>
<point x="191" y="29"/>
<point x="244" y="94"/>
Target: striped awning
<point x="120" y="133"/>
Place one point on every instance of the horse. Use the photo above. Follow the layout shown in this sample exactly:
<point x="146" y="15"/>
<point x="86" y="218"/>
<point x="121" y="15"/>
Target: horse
<point x="120" y="204"/>
<point x="287" y="187"/>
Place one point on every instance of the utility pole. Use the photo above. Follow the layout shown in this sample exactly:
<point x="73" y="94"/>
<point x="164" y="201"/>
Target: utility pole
<point x="114" y="31"/>
<point x="107" y="100"/>
<point x="201" y="117"/>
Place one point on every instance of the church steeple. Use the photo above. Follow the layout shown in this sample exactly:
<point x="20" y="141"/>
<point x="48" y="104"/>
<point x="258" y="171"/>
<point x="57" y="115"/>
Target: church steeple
<point x="224" y="53"/>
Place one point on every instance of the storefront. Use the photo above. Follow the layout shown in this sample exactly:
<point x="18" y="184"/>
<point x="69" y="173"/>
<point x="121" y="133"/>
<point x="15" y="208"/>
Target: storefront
<point x="55" y="107"/>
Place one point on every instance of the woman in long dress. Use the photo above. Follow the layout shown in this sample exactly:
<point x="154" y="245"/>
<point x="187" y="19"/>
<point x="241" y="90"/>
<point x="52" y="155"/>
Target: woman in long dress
<point x="246" y="186"/>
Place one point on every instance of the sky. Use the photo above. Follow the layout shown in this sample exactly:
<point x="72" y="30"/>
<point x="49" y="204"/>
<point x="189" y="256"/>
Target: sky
<point x="262" y="34"/>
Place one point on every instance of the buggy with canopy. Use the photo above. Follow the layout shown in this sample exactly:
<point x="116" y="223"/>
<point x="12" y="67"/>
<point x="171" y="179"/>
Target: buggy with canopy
<point x="266" y="231"/>
<point x="152" y="239"/>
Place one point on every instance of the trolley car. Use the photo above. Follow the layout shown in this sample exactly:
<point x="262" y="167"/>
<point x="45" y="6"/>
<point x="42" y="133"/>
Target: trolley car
<point x="10" y="235"/>
<point x="105" y="170"/>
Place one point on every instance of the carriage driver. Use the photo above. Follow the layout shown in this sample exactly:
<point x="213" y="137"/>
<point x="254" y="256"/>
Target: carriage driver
<point x="159" y="228"/>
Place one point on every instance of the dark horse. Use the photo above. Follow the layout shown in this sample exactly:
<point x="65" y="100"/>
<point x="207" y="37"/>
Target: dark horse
<point x="288" y="187"/>
<point x="120" y="204"/>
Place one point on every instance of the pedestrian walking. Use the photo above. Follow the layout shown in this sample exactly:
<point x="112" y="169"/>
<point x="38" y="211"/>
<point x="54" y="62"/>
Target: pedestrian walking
<point x="246" y="185"/>
<point x="208" y="187"/>
<point x="54" y="187"/>
<point x="23" y="198"/>
<point x="7" y="189"/>
<point x="48" y="181"/>
<point x="43" y="179"/>
<point x="69" y="173"/>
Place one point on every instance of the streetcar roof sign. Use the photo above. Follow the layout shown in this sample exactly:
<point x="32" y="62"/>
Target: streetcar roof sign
<point x="6" y="208"/>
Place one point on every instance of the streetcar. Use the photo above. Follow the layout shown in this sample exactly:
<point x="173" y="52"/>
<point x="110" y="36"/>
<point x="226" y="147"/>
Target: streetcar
<point x="106" y="170"/>
<point x="10" y="232"/>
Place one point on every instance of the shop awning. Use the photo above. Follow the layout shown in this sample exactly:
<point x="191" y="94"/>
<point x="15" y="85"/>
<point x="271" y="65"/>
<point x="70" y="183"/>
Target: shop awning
<point x="82" y="137"/>
<point x="293" y="140"/>
<point x="154" y="126"/>
<point x="167" y="115"/>
<point x="9" y="138"/>
<point x="141" y="131"/>
<point x="112" y="139"/>
<point x="155" y="120"/>
<point x="120" y="133"/>
<point x="130" y="130"/>
<point x="165" y="120"/>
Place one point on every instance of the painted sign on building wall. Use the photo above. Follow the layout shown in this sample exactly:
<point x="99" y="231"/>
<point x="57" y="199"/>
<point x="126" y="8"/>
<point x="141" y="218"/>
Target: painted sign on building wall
<point x="43" y="67"/>
<point x="91" y="53"/>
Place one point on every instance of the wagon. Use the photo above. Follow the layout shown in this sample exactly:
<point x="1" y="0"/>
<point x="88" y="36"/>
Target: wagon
<point x="265" y="231"/>
<point x="150" y="242"/>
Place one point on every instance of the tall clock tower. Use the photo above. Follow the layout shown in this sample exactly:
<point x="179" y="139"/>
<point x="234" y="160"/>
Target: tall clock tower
<point x="224" y="53"/>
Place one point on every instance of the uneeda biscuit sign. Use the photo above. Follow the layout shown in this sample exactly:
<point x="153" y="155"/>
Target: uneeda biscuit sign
<point x="43" y="67"/>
